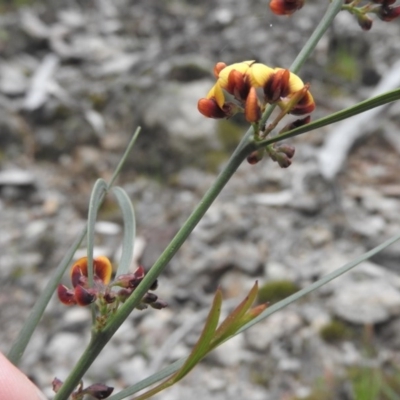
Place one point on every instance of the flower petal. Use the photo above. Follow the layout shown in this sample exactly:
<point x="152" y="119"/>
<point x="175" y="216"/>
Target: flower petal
<point x="209" y="108"/>
<point x="103" y="268"/>
<point x="259" y="74"/>
<point x="252" y="110"/>
<point x="240" y="67"/>
<point x="65" y="295"/>
<point x="83" y="296"/>
<point x="78" y="269"/>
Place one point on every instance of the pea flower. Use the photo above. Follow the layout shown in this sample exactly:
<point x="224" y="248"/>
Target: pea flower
<point x="243" y="81"/>
<point x="104" y="291"/>
<point x="81" y="293"/>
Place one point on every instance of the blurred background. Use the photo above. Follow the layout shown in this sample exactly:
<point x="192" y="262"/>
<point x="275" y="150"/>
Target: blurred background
<point x="78" y="77"/>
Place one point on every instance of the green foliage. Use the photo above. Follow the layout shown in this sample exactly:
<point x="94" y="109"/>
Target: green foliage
<point x="335" y="331"/>
<point x="274" y="291"/>
<point x="374" y="384"/>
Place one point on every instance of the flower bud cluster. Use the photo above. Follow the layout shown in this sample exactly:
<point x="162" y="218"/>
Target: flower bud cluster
<point x="383" y="9"/>
<point x="104" y="292"/>
<point x="282" y="154"/>
<point x="253" y="85"/>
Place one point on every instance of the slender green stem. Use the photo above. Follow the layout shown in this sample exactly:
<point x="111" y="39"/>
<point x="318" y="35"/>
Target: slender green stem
<point x="333" y="9"/>
<point x="40" y="305"/>
<point x="330" y="14"/>
<point x="336" y="117"/>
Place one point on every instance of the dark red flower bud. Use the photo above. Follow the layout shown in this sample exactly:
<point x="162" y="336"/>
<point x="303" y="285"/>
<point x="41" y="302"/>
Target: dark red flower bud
<point x="365" y="22"/>
<point x="209" y="108"/>
<point x="285" y="149"/>
<point x="57" y="383"/>
<point x="255" y="156"/>
<point x="149" y="298"/>
<point x="123" y="294"/>
<point x="386" y="13"/>
<point x="159" y="304"/>
<point x="110" y="297"/>
<point x="154" y="285"/>
<point x="285" y="7"/>
<point x="295" y="124"/>
<point x="83" y="296"/>
<point x="98" y="391"/>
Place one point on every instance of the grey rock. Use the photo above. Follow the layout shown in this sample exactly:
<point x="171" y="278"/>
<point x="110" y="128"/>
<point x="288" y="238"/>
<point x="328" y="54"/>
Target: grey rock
<point x="368" y="302"/>
<point x="283" y="324"/>
<point x="174" y="110"/>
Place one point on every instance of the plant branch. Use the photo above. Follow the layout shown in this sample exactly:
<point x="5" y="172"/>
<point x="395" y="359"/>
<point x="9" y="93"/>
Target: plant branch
<point x="335" y="117"/>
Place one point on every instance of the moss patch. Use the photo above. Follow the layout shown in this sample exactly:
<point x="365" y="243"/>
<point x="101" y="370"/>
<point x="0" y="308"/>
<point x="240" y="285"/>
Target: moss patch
<point x="275" y="291"/>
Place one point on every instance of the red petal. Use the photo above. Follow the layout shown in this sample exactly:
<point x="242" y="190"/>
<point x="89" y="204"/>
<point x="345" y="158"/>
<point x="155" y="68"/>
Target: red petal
<point x="78" y="269"/>
<point x="218" y="68"/>
<point x="65" y="295"/>
<point x="209" y="108"/>
<point x="83" y="296"/>
<point x="252" y="110"/>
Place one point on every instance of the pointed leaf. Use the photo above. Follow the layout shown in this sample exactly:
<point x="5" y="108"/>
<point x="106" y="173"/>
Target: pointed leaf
<point x="202" y="346"/>
<point x="128" y="216"/>
<point x="232" y="321"/>
<point x="99" y="190"/>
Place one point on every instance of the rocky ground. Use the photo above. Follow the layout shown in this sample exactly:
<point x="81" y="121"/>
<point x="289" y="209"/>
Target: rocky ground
<point x="75" y="81"/>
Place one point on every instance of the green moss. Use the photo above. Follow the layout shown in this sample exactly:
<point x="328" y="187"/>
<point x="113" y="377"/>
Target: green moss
<point x="229" y="134"/>
<point x="274" y="291"/>
<point x="344" y="65"/>
<point x="335" y="331"/>
<point x="214" y="159"/>
<point x="98" y="100"/>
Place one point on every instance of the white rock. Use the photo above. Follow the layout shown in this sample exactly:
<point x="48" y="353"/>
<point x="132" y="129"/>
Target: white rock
<point x="368" y="302"/>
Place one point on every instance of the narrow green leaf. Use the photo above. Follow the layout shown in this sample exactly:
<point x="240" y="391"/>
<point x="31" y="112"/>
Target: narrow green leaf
<point x="36" y="313"/>
<point x="128" y="216"/>
<point x="321" y="282"/>
<point x="202" y="345"/>
<point x="336" y="117"/>
<point x="124" y="156"/>
<point x="232" y="321"/>
<point x="99" y="190"/>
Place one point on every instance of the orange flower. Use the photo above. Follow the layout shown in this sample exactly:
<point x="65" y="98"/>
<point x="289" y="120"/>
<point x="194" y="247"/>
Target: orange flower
<point x="81" y="293"/>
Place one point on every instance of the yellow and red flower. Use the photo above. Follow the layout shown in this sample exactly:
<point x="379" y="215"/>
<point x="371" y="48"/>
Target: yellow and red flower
<point x="242" y="80"/>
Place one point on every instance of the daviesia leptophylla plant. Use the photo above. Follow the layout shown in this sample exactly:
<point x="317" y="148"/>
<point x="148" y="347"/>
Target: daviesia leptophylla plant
<point x="101" y="293"/>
